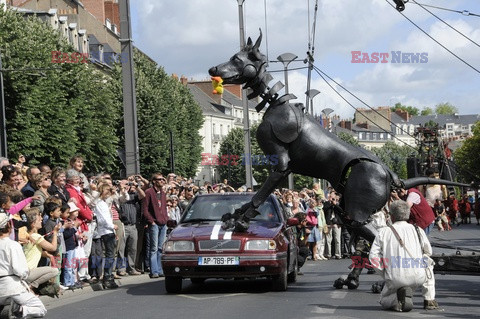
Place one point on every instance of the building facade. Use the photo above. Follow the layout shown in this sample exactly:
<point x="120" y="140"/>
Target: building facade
<point x="222" y="113"/>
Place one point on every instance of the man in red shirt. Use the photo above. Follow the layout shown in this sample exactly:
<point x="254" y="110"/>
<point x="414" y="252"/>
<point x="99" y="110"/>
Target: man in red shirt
<point x="154" y="209"/>
<point x="421" y="214"/>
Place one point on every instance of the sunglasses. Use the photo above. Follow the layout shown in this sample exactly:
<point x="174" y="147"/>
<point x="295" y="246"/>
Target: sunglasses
<point x="160" y="179"/>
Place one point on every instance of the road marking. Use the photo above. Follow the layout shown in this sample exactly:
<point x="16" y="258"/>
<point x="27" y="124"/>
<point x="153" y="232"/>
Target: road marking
<point x="216" y="230"/>
<point x="324" y="310"/>
<point x="338" y="294"/>
<point x="213" y="297"/>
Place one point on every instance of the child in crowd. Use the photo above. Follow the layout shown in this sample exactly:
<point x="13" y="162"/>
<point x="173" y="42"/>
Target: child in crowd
<point x="70" y="239"/>
<point x="52" y="210"/>
<point x="81" y="261"/>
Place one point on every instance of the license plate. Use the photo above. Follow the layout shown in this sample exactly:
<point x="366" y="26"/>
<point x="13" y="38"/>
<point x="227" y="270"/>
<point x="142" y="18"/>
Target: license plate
<point x="218" y="261"/>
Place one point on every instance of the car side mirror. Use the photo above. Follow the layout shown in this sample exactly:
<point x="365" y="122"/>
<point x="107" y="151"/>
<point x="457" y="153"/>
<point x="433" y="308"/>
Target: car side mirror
<point x="171" y="223"/>
<point x="292" y="221"/>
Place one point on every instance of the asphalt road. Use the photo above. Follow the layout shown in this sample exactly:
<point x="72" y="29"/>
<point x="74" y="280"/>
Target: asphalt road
<point x="312" y="296"/>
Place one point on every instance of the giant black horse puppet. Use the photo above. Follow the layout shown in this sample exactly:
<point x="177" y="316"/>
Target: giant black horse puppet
<point x="304" y="147"/>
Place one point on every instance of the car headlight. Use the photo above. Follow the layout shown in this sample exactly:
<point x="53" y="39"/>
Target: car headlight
<point x="260" y="244"/>
<point x="179" y="245"/>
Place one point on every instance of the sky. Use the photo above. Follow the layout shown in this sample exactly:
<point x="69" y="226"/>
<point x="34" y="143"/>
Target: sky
<point x="187" y="37"/>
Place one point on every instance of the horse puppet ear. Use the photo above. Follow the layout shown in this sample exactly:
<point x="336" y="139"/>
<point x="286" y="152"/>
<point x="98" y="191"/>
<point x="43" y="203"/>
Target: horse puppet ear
<point x="255" y="50"/>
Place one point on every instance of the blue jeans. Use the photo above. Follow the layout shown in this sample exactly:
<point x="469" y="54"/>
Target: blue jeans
<point x="429" y="228"/>
<point x="157" y="238"/>
<point x="69" y="268"/>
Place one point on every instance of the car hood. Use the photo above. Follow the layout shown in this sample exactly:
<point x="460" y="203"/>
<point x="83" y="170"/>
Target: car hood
<point x="207" y="230"/>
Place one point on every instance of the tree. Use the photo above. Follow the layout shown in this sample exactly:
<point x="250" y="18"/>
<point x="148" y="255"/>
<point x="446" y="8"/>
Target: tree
<point x="76" y="108"/>
<point x="467" y="156"/>
<point x="164" y="105"/>
<point x="395" y="157"/>
<point x="410" y="109"/>
<point x="445" y="109"/>
<point x="346" y="137"/>
<point x="54" y="111"/>
<point x="427" y="111"/>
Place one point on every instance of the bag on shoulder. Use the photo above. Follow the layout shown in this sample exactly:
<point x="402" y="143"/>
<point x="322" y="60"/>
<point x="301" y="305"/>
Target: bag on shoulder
<point x="49" y="288"/>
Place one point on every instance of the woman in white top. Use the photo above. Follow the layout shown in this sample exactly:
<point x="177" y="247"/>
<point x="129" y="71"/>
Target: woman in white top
<point x="13" y="271"/>
<point x="106" y="230"/>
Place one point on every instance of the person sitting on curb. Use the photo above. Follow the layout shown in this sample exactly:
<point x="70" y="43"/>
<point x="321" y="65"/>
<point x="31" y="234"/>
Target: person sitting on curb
<point x="13" y="273"/>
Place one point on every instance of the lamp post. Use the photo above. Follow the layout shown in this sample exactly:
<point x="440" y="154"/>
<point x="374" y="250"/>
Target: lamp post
<point x="3" y="122"/>
<point x="327" y="113"/>
<point x="246" y="121"/>
<point x="132" y="160"/>
<point x="286" y="58"/>
<point x="310" y="95"/>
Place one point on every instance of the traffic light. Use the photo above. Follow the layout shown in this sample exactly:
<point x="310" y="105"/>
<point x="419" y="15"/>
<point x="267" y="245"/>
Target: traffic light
<point x="217" y="85"/>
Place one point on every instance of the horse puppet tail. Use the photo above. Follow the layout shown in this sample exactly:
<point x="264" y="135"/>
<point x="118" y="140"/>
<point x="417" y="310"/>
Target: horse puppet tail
<point x="415" y="181"/>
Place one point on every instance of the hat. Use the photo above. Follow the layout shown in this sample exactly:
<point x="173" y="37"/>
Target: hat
<point x="73" y="207"/>
<point x="3" y="220"/>
<point x="71" y="173"/>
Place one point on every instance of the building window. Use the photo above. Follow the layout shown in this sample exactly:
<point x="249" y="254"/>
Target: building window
<point x="381" y="136"/>
<point x="360" y="136"/>
<point x="213" y="128"/>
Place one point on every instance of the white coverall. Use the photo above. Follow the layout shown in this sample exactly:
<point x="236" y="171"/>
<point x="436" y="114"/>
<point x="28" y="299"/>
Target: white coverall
<point x="13" y="272"/>
<point x="395" y="264"/>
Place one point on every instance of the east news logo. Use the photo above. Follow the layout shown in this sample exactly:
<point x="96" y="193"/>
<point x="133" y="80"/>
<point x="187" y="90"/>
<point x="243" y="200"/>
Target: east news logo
<point x="394" y="56"/>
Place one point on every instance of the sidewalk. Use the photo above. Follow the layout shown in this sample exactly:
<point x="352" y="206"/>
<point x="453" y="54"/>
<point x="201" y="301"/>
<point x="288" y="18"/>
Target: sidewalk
<point x="463" y="238"/>
<point x="70" y="296"/>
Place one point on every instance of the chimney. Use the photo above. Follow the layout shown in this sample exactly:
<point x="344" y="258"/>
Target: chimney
<point x="183" y="80"/>
<point x="348" y="125"/>
<point x="363" y="125"/>
<point x="403" y="114"/>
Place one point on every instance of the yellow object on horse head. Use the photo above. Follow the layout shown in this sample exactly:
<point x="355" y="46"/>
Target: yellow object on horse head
<point x="217" y="85"/>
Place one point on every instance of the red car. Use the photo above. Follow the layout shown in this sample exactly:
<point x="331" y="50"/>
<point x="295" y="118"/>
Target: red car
<point x="198" y="248"/>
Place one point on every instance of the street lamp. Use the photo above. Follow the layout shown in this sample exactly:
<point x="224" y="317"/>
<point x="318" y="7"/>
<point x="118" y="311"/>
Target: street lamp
<point x="246" y="121"/>
<point x="286" y="58"/>
<point x="327" y="113"/>
<point x="3" y="122"/>
<point x="310" y="95"/>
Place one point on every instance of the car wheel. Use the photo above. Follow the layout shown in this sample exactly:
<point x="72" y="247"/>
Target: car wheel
<point x="279" y="283"/>
<point x="198" y="280"/>
<point x="173" y="285"/>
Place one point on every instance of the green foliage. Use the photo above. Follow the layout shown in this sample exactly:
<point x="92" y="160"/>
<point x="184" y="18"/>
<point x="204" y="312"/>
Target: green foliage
<point x="395" y="157"/>
<point x="77" y="108"/>
<point x="427" y="111"/>
<point x="164" y="105"/>
<point x="467" y="157"/>
<point x="233" y="144"/>
<point x="410" y="109"/>
<point x="445" y="109"/>
<point x="346" y="137"/>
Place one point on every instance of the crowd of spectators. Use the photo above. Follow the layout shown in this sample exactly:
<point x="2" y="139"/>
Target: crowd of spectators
<point x="78" y="229"/>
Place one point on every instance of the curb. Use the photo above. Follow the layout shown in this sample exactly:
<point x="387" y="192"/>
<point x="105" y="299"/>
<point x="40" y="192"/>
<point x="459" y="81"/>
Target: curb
<point x="95" y="288"/>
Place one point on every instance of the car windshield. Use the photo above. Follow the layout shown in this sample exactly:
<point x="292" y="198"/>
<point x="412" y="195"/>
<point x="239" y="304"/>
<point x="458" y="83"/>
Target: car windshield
<point x="213" y="207"/>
